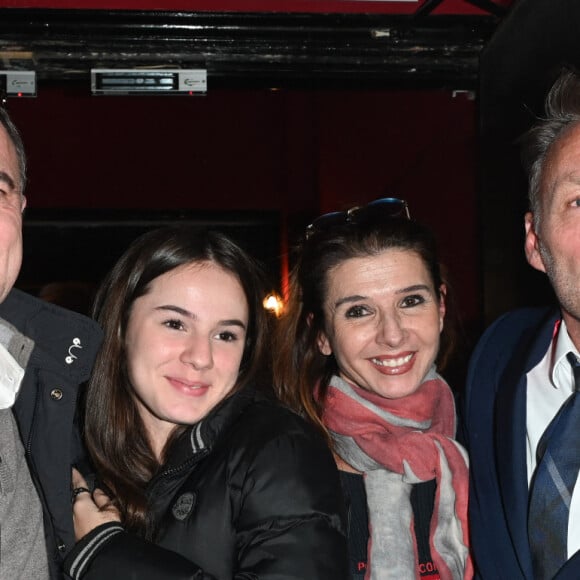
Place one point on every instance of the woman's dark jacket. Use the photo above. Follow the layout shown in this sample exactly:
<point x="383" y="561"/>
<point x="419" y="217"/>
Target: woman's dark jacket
<point x="249" y="492"/>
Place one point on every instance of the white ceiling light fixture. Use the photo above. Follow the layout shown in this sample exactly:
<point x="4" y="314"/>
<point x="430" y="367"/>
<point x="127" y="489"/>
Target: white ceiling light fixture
<point x="17" y="83"/>
<point x="148" y="81"/>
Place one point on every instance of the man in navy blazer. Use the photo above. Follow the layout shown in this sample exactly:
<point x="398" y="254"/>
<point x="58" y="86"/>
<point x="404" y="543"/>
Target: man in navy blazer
<point x="519" y="375"/>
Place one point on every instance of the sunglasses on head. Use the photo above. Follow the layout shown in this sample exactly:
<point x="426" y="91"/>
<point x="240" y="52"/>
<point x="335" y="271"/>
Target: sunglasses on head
<point x="373" y="212"/>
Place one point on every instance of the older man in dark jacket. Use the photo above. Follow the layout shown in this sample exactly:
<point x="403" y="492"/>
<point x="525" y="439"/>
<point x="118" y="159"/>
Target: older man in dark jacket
<point x="45" y="353"/>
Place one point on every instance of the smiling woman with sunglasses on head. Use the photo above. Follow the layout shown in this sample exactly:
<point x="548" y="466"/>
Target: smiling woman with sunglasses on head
<point x="356" y="355"/>
<point x="205" y="478"/>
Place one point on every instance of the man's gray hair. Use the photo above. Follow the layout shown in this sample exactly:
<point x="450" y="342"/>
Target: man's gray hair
<point x="562" y="110"/>
<point x="16" y="139"/>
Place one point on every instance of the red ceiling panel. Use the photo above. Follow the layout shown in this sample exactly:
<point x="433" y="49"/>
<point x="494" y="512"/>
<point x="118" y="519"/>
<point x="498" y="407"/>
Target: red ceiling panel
<point x="319" y="6"/>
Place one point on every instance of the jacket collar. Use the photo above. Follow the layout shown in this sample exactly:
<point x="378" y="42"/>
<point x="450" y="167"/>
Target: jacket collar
<point x="18" y="346"/>
<point x="200" y="438"/>
<point x="510" y="432"/>
<point x="65" y="342"/>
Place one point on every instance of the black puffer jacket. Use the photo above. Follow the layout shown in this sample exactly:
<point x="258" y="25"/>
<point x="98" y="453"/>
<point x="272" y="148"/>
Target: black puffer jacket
<point x="249" y="492"/>
<point x="65" y="346"/>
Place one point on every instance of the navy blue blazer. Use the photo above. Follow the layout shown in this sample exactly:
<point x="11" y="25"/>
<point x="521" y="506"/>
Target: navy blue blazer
<point x="494" y="416"/>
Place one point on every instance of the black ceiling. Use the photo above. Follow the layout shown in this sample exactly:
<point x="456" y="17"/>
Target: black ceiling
<point x="265" y="49"/>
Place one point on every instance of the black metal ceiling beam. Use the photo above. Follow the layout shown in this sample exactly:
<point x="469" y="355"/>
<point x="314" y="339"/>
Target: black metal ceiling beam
<point x="267" y="48"/>
<point x="427" y="8"/>
<point x="490" y="6"/>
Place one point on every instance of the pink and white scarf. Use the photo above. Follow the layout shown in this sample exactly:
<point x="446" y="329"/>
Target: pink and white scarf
<point x="396" y="443"/>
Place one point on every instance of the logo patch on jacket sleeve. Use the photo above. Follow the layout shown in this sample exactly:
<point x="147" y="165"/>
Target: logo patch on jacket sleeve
<point x="183" y="506"/>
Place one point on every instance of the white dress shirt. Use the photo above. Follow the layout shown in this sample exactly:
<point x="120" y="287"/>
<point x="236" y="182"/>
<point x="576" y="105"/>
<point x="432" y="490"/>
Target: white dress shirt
<point x="11" y="374"/>
<point x="549" y="384"/>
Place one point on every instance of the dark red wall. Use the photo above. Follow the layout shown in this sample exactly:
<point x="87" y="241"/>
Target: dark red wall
<point x="298" y="152"/>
